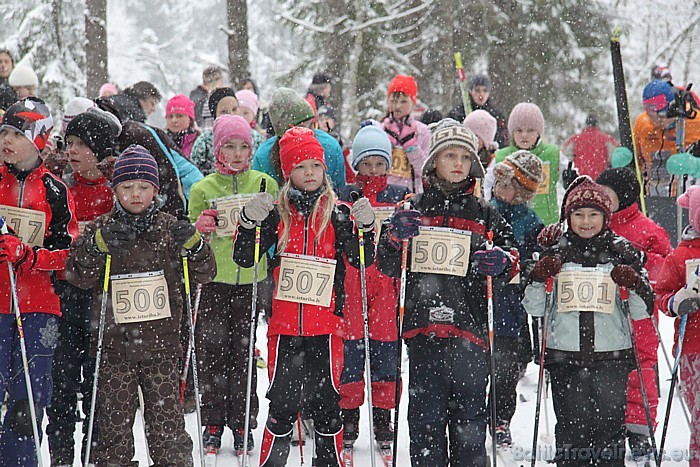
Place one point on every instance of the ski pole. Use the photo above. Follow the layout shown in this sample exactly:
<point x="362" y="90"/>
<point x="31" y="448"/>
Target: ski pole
<point x="301" y="439"/>
<point x="492" y="353"/>
<point x="399" y="343"/>
<point x="547" y="436"/>
<point x="549" y="286"/>
<point x="251" y="337"/>
<point x="462" y="82"/>
<point x="625" y="295"/>
<point x="23" y="350"/>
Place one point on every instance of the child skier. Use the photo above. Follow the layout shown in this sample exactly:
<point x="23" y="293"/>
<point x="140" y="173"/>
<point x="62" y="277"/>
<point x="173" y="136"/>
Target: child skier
<point x="142" y="320"/>
<point x="371" y="157"/>
<point x="179" y="119"/>
<point x="517" y="179"/>
<point x="90" y="137"/>
<point x="225" y="302"/>
<point x="445" y="325"/>
<point x="314" y="237"/>
<point x="589" y="351"/>
<point x="39" y="210"/>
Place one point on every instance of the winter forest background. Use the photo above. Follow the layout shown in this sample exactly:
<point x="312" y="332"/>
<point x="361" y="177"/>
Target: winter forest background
<point x="551" y="52"/>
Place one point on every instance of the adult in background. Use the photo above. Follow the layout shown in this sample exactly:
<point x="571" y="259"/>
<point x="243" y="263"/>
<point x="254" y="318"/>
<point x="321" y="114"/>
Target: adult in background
<point x="480" y="98"/>
<point x="318" y="93"/>
<point x="591" y="150"/>
<point x="137" y="102"/>
<point x="7" y="64"/>
<point x="212" y="78"/>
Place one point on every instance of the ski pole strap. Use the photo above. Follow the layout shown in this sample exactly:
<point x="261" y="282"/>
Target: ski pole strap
<point x="624" y="293"/>
<point x="549" y="285"/>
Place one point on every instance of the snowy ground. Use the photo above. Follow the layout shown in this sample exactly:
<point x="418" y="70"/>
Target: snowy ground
<point x="522" y="423"/>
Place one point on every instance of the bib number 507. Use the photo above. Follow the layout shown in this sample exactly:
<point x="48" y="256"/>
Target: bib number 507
<point x="304" y="281"/>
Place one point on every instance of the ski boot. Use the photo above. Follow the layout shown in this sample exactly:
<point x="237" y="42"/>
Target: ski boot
<point x="211" y="438"/>
<point x="503" y="437"/>
<point x="640" y="448"/>
<point x="238" y="436"/>
<point x="351" y="426"/>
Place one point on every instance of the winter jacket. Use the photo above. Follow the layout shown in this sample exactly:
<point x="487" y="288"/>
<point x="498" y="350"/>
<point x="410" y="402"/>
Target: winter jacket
<point x="129" y="107"/>
<point x="184" y="140"/>
<point x="339" y="241"/>
<point x="443" y="305"/>
<point x="411" y="137"/>
<point x="92" y="197"/>
<point x="645" y="235"/>
<point x="457" y="113"/>
<point x="202" y="154"/>
<point x="216" y="186"/>
<point x="200" y="97"/>
<point x="335" y="166"/>
<point x="672" y="278"/>
<point x="152" y="251"/>
<point x="583" y="338"/>
<point x="38" y="190"/>
<point x="591" y="150"/>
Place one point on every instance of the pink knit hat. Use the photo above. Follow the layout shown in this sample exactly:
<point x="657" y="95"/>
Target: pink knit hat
<point x="108" y="88"/>
<point x="691" y="201"/>
<point x="482" y="125"/>
<point x="180" y="104"/>
<point x="526" y="115"/>
<point x="226" y="128"/>
<point x="248" y="99"/>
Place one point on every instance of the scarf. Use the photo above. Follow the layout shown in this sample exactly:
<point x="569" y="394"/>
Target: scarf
<point x="138" y="222"/>
<point x="304" y="201"/>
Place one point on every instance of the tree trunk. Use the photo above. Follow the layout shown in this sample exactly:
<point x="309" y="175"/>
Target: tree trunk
<point x="96" y="57"/>
<point x="238" y="64"/>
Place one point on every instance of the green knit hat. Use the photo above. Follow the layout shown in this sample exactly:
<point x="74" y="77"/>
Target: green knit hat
<point x="287" y="109"/>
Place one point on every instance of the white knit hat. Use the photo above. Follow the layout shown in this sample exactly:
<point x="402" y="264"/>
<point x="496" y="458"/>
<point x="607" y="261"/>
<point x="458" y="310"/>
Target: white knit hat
<point x="75" y="106"/>
<point x="23" y="75"/>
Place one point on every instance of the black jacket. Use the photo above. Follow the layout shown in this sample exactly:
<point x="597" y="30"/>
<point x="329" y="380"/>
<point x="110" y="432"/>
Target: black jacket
<point x="501" y="137"/>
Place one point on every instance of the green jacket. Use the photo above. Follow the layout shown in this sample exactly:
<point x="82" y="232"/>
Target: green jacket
<point x="215" y="186"/>
<point x="545" y="204"/>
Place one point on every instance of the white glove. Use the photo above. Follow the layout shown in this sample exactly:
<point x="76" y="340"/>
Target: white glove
<point x="684" y="301"/>
<point x="363" y="213"/>
<point x="256" y="210"/>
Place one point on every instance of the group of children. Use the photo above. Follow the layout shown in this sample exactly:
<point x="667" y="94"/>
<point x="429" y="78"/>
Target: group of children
<point x="100" y="265"/>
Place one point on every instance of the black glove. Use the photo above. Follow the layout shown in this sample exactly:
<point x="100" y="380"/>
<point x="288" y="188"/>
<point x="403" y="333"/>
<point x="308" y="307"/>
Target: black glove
<point x="114" y="238"/>
<point x="569" y="175"/>
<point x="185" y="234"/>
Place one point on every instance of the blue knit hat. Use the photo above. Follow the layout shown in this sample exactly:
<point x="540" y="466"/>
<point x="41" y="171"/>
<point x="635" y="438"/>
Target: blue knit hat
<point x="135" y="163"/>
<point x="657" y="96"/>
<point x="371" y="141"/>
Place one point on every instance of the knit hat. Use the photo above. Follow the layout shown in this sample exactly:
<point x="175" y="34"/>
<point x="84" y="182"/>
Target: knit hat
<point x="135" y="163"/>
<point x="326" y="111"/>
<point x="297" y="145"/>
<point x="287" y="109"/>
<point x="75" y="106"/>
<point x="657" y="96"/>
<point x="23" y="75"/>
<point x="180" y="104"/>
<point x="321" y="78"/>
<point x="109" y="88"/>
<point x="661" y="71"/>
<point x="226" y="128"/>
<point x="522" y="170"/>
<point x="691" y="201"/>
<point x="216" y="96"/>
<point x="526" y="115"/>
<point x="479" y="80"/>
<point x="371" y="141"/>
<point x="30" y="117"/>
<point x="248" y="99"/>
<point x="404" y="84"/>
<point x="450" y="133"/>
<point x="483" y="125"/>
<point x="97" y="129"/>
<point x="623" y="182"/>
<point x="585" y="193"/>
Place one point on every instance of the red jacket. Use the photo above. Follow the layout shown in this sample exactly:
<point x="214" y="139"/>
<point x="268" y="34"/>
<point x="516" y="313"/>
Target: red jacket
<point x="92" y="197"/>
<point x="590" y="150"/>
<point x="38" y="190"/>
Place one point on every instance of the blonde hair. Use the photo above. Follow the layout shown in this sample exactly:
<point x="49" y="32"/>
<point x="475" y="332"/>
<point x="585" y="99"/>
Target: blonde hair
<point x="324" y="206"/>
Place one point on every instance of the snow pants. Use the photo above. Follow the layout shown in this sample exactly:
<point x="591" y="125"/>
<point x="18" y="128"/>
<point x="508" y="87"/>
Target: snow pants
<point x="40" y="337"/>
<point x="222" y="350"/>
<point x="507" y="375"/>
<point x="690" y="374"/>
<point x="314" y="364"/>
<point x="383" y="369"/>
<point x="447" y="408"/>
<point x="589" y="402"/>
<point x="648" y="345"/>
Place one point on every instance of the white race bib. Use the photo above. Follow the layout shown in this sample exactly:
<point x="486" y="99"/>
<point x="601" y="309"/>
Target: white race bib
<point x="400" y="165"/>
<point x="543" y="188"/>
<point x="140" y="297"/>
<point x="229" y="207"/>
<point x="586" y="289"/>
<point x="691" y="266"/>
<point x="441" y="250"/>
<point x="306" y="279"/>
<point x="28" y="224"/>
<point x="381" y="213"/>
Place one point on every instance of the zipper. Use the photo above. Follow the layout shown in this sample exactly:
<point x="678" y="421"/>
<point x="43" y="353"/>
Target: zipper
<point x="306" y="244"/>
<point x="235" y="192"/>
<point x="445" y="215"/>
<point x="21" y="192"/>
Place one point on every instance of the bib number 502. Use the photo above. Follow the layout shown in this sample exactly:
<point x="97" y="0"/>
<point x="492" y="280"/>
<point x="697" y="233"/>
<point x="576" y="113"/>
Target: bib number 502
<point x="140" y="299"/>
<point x="439" y="253"/>
<point x="303" y="282"/>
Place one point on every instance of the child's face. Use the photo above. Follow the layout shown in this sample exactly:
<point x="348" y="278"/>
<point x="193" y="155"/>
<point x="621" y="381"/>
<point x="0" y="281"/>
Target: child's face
<point x="135" y="196"/>
<point x="480" y="94"/>
<point x="615" y="204"/>
<point x="586" y="222"/>
<point x="227" y="106"/>
<point x="23" y="91"/>
<point x="660" y="120"/>
<point x="400" y="104"/>
<point x="16" y="149"/>
<point x="148" y="105"/>
<point x="177" y="122"/>
<point x="80" y="156"/>
<point x="5" y="65"/>
<point x="236" y="154"/>
<point x="453" y="164"/>
<point x="246" y="113"/>
<point x="308" y="175"/>
<point x="504" y="192"/>
<point x="525" y="138"/>
<point x="373" y="166"/>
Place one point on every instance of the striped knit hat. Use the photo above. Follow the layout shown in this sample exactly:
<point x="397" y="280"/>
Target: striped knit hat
<point x="522" y="170"/>
<point x="450" y="133"/>
<point x="135" y="163"/>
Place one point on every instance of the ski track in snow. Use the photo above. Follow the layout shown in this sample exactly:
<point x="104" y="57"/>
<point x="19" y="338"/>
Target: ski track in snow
<point x="521" y="427"/>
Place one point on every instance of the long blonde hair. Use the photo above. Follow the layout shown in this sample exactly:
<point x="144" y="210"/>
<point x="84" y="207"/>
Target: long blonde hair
<point x="325" y="204"/>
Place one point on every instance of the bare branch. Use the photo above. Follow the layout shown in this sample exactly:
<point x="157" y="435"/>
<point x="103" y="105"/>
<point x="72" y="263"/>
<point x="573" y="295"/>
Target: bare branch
<point x="328" y="29"/>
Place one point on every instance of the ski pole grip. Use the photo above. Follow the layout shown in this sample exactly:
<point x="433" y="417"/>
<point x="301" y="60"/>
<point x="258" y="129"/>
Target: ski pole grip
<point x="263" y="185"/>
<point x="549" y="284"/>
<point x="624" y="293"/>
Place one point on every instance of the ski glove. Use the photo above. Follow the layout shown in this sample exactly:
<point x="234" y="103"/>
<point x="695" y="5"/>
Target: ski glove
<point x="547" y="267"/>
<point x="404" y="224"/>
<point x="684" y="301"/>
<point x="12" y="250"/>
<point x="569" y="175"/>
<point x="206" y="222"/>
<point x="114" y="238"/>
<point x="185" y="235"/>
<point x="490" y="262"/>
<point x="550" y="235"/>
<point x="625" y="276"/>
<point x="363" y="213"/>
<point x="256" y="210"/>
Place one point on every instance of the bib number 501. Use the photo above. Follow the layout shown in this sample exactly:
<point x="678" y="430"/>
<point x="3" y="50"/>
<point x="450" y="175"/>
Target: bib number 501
<point x="586" y="291"/>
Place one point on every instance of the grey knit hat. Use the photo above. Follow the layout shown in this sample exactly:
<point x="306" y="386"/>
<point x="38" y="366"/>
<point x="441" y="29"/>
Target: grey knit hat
<point x="450" y="133"/>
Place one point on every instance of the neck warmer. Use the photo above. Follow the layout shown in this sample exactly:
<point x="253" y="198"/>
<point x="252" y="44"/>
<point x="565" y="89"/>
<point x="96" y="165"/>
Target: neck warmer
<point x="448" y="188"/>
<point x="372" y="185"/>
<point x="304" y="201"/>
<point x="138" y="222"/>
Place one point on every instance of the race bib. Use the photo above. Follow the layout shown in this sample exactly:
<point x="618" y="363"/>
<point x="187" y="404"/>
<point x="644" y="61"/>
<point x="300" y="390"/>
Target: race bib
<point x="381" y="214"/>
<point x="306" y="279"/>
<point x="140" y="297"/>
<point x="400" y="166"/>
<point x="586" y="290"/>
<point x="228" y="208"/>
<point x="28" y="224"/>
<point x="691" y="272"/>
<point x="543" y="189"/>
<point x="441" y="250"/>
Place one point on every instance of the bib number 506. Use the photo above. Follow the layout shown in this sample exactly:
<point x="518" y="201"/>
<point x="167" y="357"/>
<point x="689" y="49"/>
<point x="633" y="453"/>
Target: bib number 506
<point x="140" y="300"/>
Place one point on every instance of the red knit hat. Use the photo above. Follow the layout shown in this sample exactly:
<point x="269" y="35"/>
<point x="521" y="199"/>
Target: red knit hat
<point x="585" y="193"/>
<point x="404" y="84"/>
<point x="297" y="145"/>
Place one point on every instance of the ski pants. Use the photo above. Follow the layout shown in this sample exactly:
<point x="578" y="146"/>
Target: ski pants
<point x="690" y="374"/>
<point x="647" y="345"/>
<point x="223" y="335"/>
<point x="40" y="337"/>
<point x="507" y="375"/>
<point x="447" y="384"/>
<point x="383" y="369"/>
<point x="589" y="402"/>
<point x="315" y="364"/>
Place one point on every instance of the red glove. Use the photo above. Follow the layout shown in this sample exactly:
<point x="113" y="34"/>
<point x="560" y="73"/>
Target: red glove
<point x="206" y="222"/>
<point x="547" y="267"/>
<point x="12" y="250"/>
<point x="550" y="235"/>
<point x="625" y="276"/>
